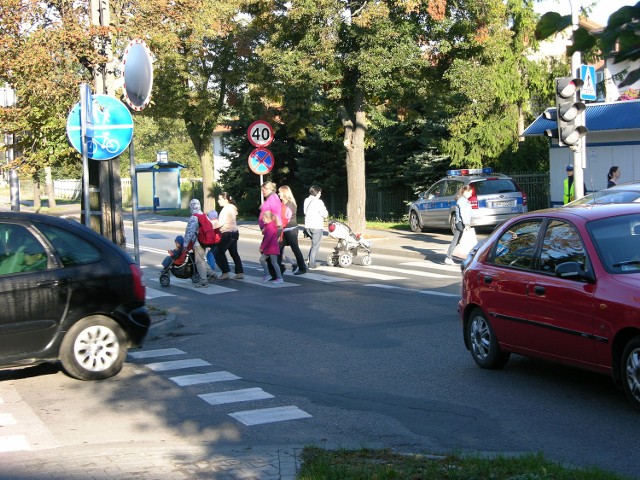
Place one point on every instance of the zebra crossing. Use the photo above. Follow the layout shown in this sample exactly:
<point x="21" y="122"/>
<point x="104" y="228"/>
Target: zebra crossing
<point x="322" y="274"/>
<point x="253" y="395"/>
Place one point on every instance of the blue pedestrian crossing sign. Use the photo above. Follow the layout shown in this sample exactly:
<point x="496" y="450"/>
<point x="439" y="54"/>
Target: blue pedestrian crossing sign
<point x="112" y="128"/>
<point x="588" y="76"/>
<point x="261" y="161"/>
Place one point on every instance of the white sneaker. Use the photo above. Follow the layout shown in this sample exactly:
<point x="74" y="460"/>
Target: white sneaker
<point x="449" y="261"/>
<point x="266" y="279"/>
<point x="278" y="281"/>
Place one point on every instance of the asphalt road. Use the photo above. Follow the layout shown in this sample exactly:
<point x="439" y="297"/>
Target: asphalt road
<point x="353" y="357"/>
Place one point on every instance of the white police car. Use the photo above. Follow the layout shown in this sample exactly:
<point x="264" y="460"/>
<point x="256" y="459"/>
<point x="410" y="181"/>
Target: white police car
<point x="495" y="198"/>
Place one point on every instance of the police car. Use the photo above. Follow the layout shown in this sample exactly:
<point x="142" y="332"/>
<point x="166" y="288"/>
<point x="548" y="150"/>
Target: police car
<point x="495" y="198"/>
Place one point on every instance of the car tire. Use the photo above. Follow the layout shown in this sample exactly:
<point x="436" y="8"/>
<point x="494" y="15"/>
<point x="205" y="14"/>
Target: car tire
<point x="414" y="222"/>
<point x="483" y="343"/>
<point x="94" y="348"/>
<point x="452" y="223"/>
<point x="630" y="371"/>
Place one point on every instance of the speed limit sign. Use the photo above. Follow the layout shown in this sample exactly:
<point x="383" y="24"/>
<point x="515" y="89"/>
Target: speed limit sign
<point x="260" y="133"/>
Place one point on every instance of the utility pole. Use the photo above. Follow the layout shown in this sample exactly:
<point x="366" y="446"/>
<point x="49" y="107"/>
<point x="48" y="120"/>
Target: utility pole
<point x="8" y="99"/>
<point x="105" y="189"/>
<point x="579" y="152"/>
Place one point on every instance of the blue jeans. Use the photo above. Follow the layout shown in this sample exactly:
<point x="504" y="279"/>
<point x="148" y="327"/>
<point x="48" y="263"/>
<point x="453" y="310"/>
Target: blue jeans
<point x="211" y="259"/>
<point x="316" y="238"/>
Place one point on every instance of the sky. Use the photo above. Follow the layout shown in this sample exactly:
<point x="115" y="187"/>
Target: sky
<point x="600" y="13"/>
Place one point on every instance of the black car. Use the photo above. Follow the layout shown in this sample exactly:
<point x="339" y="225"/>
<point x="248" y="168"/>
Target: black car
<point x="67" y="294"/>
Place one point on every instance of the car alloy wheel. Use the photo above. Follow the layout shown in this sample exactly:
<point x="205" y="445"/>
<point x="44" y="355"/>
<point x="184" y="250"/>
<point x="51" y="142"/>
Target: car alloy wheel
<point x="414" y="223"/>
<point x="94" y="348"/>
<point x="483" y="342"/>
<point x="630" y="366"/>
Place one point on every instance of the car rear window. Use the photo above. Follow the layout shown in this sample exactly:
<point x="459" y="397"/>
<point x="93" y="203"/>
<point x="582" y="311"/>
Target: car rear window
<point x="71" y="249"/>
<point x="497" y="185"/>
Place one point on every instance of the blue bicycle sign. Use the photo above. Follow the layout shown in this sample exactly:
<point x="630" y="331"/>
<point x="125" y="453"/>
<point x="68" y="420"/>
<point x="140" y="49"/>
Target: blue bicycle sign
<point x="112" y="128"/>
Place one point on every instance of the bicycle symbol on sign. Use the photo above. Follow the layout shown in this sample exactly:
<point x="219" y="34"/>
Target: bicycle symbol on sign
<point x="103" y="141"/>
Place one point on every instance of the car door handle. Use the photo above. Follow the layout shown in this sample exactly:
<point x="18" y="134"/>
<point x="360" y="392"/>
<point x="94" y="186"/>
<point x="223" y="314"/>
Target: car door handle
<point x="487" y="279"/>
<point x="48" y="284"/>
<point x="538" y="290"/>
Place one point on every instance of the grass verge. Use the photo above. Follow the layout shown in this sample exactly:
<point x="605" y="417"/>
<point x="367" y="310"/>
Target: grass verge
<point x="367" y="464"/>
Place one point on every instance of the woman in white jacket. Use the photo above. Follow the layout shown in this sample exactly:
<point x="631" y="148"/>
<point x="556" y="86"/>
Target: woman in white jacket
<point x="315" y="213"/>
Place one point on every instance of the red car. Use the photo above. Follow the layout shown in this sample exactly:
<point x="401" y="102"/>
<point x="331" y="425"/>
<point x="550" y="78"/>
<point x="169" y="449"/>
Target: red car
<point x="560" y="284"/>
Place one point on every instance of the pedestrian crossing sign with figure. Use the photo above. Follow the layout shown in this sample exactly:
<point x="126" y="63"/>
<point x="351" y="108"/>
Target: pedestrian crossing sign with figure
<point x="588" y="76"/>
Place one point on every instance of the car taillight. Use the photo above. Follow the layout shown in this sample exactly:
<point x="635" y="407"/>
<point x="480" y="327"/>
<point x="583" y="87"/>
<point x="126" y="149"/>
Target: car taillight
<point x="473" y="199"/>
<point x="138" y="287"/>
<point x="524" y="198"/>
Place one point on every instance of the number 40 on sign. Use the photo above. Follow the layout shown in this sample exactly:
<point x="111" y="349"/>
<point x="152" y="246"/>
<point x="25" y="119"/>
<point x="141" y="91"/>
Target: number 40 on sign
<point x="260" y="133"/>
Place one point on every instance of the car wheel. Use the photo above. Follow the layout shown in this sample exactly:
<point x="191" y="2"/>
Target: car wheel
<point x="366" y="260"/>
<point x="630" y="366"/>
<point x="452" y="223"/>
<point x="483" y="342"/>
<point x="414" y="222"/>
<point x="94" y="348"/>
<point x="344" y="260"/>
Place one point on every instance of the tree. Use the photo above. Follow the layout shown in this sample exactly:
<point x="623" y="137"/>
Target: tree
<point x="42" y="47"/>
<point x="200" y="61"/>
<point x="620" y="39"/>
<point x="346" y="57"/>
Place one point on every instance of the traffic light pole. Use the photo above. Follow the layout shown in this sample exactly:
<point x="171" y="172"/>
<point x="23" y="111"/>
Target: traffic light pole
<point x="579" y="150"/>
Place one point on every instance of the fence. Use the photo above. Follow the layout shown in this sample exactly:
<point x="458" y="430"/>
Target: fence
<point x="387" y="205"/>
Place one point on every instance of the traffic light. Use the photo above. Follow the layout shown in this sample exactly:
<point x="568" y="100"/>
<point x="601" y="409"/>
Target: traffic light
<point x="569" y="110"/>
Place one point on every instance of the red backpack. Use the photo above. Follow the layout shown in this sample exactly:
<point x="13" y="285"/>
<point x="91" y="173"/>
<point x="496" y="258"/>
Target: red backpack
<point x="207" y="235"/>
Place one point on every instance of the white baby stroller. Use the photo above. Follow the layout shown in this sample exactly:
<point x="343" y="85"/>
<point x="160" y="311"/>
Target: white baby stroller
<point x="348" y="247"/>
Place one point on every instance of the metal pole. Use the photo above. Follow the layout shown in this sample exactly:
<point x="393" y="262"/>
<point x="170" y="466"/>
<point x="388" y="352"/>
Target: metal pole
<point x="578" y="152"/>
<point x="134" y="202"/>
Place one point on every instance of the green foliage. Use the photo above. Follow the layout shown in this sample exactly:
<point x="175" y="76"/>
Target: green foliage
<point x="551" y="23"/>
<point x="368" y="464"/>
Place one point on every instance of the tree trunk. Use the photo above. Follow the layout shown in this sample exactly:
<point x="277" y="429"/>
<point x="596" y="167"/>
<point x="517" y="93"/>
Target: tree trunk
<point x="51" y="194"/>
<point x="204" y="150"/>
<point x="37" y="204"/>
<point x="356" y="179"/>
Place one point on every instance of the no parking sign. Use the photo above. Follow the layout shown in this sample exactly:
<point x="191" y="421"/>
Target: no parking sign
<point x="261" y="161"/>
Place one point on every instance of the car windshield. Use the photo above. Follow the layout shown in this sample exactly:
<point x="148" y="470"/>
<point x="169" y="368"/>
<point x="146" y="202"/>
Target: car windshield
<point x="609" y="196"/>
<point x="494" y="185"/>
<point x="617" y="240"/>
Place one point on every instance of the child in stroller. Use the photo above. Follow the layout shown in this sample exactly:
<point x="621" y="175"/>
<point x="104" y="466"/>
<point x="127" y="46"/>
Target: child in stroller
<point x="349" y="244"/>
<point x="180" y="262"/>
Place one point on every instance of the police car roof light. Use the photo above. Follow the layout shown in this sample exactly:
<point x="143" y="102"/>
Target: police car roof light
<point x="470" y="171"/>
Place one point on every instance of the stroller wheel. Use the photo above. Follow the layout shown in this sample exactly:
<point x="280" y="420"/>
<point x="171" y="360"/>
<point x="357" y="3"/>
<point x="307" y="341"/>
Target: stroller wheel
<point x="332" y="260"/>
<point x="165" y="280"/>
<point x="345" y="260"/>
<point x="366" y="260"/>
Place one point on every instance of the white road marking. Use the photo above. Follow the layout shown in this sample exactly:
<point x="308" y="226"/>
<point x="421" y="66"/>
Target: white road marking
<point x="198" y="378"/>
<point x="212" y="289"/>
<point x="406" y="271"/>
<point x="177" y="364"/>
<point x="258" y="281"/>
<point x="359" y="273"/>
<point x="438" y="294"/>
<point x="234" y="396"/>
<point x="7" y="419"/>
<point x="269" y="415"/>
<point x="433" y="265"/>
<point x="151" y="293"/>
<point x="14" y="443"/>
<point x="162" y="352"/>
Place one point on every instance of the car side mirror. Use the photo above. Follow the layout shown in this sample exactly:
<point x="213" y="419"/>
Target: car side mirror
<point x="573" y="271"/>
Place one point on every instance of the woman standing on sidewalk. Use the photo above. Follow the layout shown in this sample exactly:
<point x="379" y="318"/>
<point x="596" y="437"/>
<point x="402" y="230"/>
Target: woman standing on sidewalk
<point x="290" y="232"/>
<point x="227" y="223"/>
